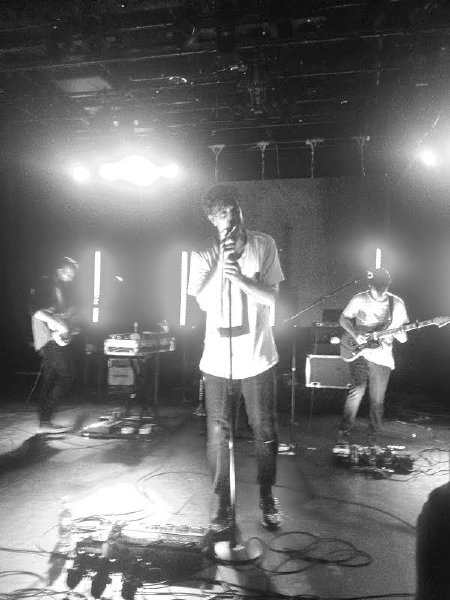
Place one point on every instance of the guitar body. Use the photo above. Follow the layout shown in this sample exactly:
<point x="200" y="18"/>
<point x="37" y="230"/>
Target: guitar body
<point x="68" y="318"/>
<point x="62" y="339"/>
<point x="350" y="349"/>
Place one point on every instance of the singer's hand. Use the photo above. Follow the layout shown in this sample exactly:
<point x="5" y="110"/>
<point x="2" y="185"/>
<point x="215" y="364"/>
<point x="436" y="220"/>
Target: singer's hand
<point x="232" y="271"/>
<point x="361" y="338"/>
<point x="227" y="245"/>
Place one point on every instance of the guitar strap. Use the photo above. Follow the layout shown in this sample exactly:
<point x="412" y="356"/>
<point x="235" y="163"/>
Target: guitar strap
<point x="391" y="311"/>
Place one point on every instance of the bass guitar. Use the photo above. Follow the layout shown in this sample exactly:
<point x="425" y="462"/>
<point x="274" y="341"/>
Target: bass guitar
<point x="350" y="349"/>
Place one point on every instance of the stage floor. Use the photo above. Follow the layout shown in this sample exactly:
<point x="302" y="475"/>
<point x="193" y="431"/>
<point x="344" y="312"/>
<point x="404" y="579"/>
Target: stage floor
<point x="345" y="534"/>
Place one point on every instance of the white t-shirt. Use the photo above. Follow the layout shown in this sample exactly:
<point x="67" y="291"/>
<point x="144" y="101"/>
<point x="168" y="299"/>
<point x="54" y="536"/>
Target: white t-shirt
<point x="252" y="343"/>
<point x="370" y="314"/>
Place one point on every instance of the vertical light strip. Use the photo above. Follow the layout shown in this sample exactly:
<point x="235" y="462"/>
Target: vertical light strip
<point x="378" y="258"/>
<point x="184" y="283"/>
<point x="97" y="275"/>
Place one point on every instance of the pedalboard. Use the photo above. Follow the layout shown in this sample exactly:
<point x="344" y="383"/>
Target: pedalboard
<point x="381" y="461"/>
<point x="122" y="427"/>
<point x="138" y="553"/>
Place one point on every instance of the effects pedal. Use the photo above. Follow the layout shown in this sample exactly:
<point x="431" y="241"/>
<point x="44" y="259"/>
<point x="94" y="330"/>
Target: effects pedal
<point x="382" y="461"/>
<point x="134" y="427"/>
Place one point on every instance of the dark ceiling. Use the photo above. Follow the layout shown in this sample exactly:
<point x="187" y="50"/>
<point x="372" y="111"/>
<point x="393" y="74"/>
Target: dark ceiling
<point x="278" y="75"/>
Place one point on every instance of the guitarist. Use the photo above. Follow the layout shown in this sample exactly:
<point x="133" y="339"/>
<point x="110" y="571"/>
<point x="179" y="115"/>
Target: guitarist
<point x="52" y="301"/>
<point x="373" y="310"/>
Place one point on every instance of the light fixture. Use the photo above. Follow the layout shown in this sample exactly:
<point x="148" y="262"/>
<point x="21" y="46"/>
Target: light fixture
<point x="378" y="258"/>
<point x="81" y="174"/>
<point x="108" y="172"/>
<point x="170" y="171"/>
<point x="428" y="157"/>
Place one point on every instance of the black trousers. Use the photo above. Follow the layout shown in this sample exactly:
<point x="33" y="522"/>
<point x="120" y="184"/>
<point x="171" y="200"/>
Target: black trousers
<point x="58" y="374"/>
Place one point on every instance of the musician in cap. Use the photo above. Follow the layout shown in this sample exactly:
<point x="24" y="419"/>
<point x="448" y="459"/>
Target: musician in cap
<point x="367" y="314"/>
<point x="235" y="281"/>
<point x="53" y="309"/>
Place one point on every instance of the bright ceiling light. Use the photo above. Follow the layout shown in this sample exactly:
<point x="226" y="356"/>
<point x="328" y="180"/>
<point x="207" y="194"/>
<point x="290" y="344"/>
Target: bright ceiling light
<point x="171" y="171"/>
<point x="138" y="170"/>
<point x="428" y="157"/>
<point x="81" y="174"/>
<point x="109" y="171"/>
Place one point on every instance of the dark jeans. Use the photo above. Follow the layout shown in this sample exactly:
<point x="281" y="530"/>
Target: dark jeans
<point x="58" y="374"/>
<point x="365" y="373"/>
<point x="259" y="397"/>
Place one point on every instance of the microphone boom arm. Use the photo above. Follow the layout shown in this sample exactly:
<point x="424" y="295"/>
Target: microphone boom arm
<point x="352" y="281"/>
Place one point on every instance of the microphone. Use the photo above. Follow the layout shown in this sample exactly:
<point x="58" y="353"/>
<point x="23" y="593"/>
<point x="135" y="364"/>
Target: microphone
<point x="226" y="232"/>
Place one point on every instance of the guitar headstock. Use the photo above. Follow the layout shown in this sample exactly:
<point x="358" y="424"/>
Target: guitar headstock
<point x="441" y="321"/>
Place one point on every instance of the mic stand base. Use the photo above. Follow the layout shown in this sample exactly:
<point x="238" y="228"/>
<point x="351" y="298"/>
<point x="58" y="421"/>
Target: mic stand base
<point x="238" y="554"/>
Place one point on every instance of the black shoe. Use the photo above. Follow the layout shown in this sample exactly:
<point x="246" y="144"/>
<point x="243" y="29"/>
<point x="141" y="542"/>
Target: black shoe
<point x="222" y="519"/>
<point x="271" y="515"/>
<point x="49" y="427"/>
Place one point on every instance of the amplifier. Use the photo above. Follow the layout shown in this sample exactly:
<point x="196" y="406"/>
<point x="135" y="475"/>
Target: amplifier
<point x="126" y="344"/>
<point x="323" y="371"/>
<point x="326" y="338"/>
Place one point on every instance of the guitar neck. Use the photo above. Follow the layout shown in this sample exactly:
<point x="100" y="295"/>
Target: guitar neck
<point x="406" y="327"/>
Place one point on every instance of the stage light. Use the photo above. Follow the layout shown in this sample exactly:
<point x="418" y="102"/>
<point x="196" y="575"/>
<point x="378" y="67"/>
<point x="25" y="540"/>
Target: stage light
<point x="428" y="157"/>
<point x="109" y="171"/>
<point x="378" y="258"/>
<point x="81" y="174"/>
<point x="171" y="171"/>
<point x="138" y="170"/>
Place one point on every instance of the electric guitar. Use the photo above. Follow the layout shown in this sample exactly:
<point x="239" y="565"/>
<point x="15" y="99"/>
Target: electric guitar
<point x="69" y="319"/>
<point x="350" y="349"/>
<point x="62" y="339"/>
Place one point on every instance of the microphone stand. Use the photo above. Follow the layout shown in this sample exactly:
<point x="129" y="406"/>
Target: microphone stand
<point x="230" y="551"/>
<point x="290" y="448"/>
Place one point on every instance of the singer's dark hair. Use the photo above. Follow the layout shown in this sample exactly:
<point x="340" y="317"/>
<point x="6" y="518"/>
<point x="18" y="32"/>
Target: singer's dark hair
<point x="219" y="196"/>
<point x="379" y="278"/>
<point x="65" y="261"/>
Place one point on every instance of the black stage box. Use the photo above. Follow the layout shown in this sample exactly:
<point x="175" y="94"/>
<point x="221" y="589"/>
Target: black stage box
<point x="326" y="338"/>
<point x="323" y="371"/>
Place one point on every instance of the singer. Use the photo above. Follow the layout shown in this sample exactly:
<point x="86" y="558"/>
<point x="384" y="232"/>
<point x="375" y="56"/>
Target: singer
<point x="235" y="281"/>
<point x="373" y="310"/>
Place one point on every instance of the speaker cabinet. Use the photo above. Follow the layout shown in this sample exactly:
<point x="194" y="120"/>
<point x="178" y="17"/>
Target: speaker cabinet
<point x="323" y="371"/>
<point x="326" y="338"/>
